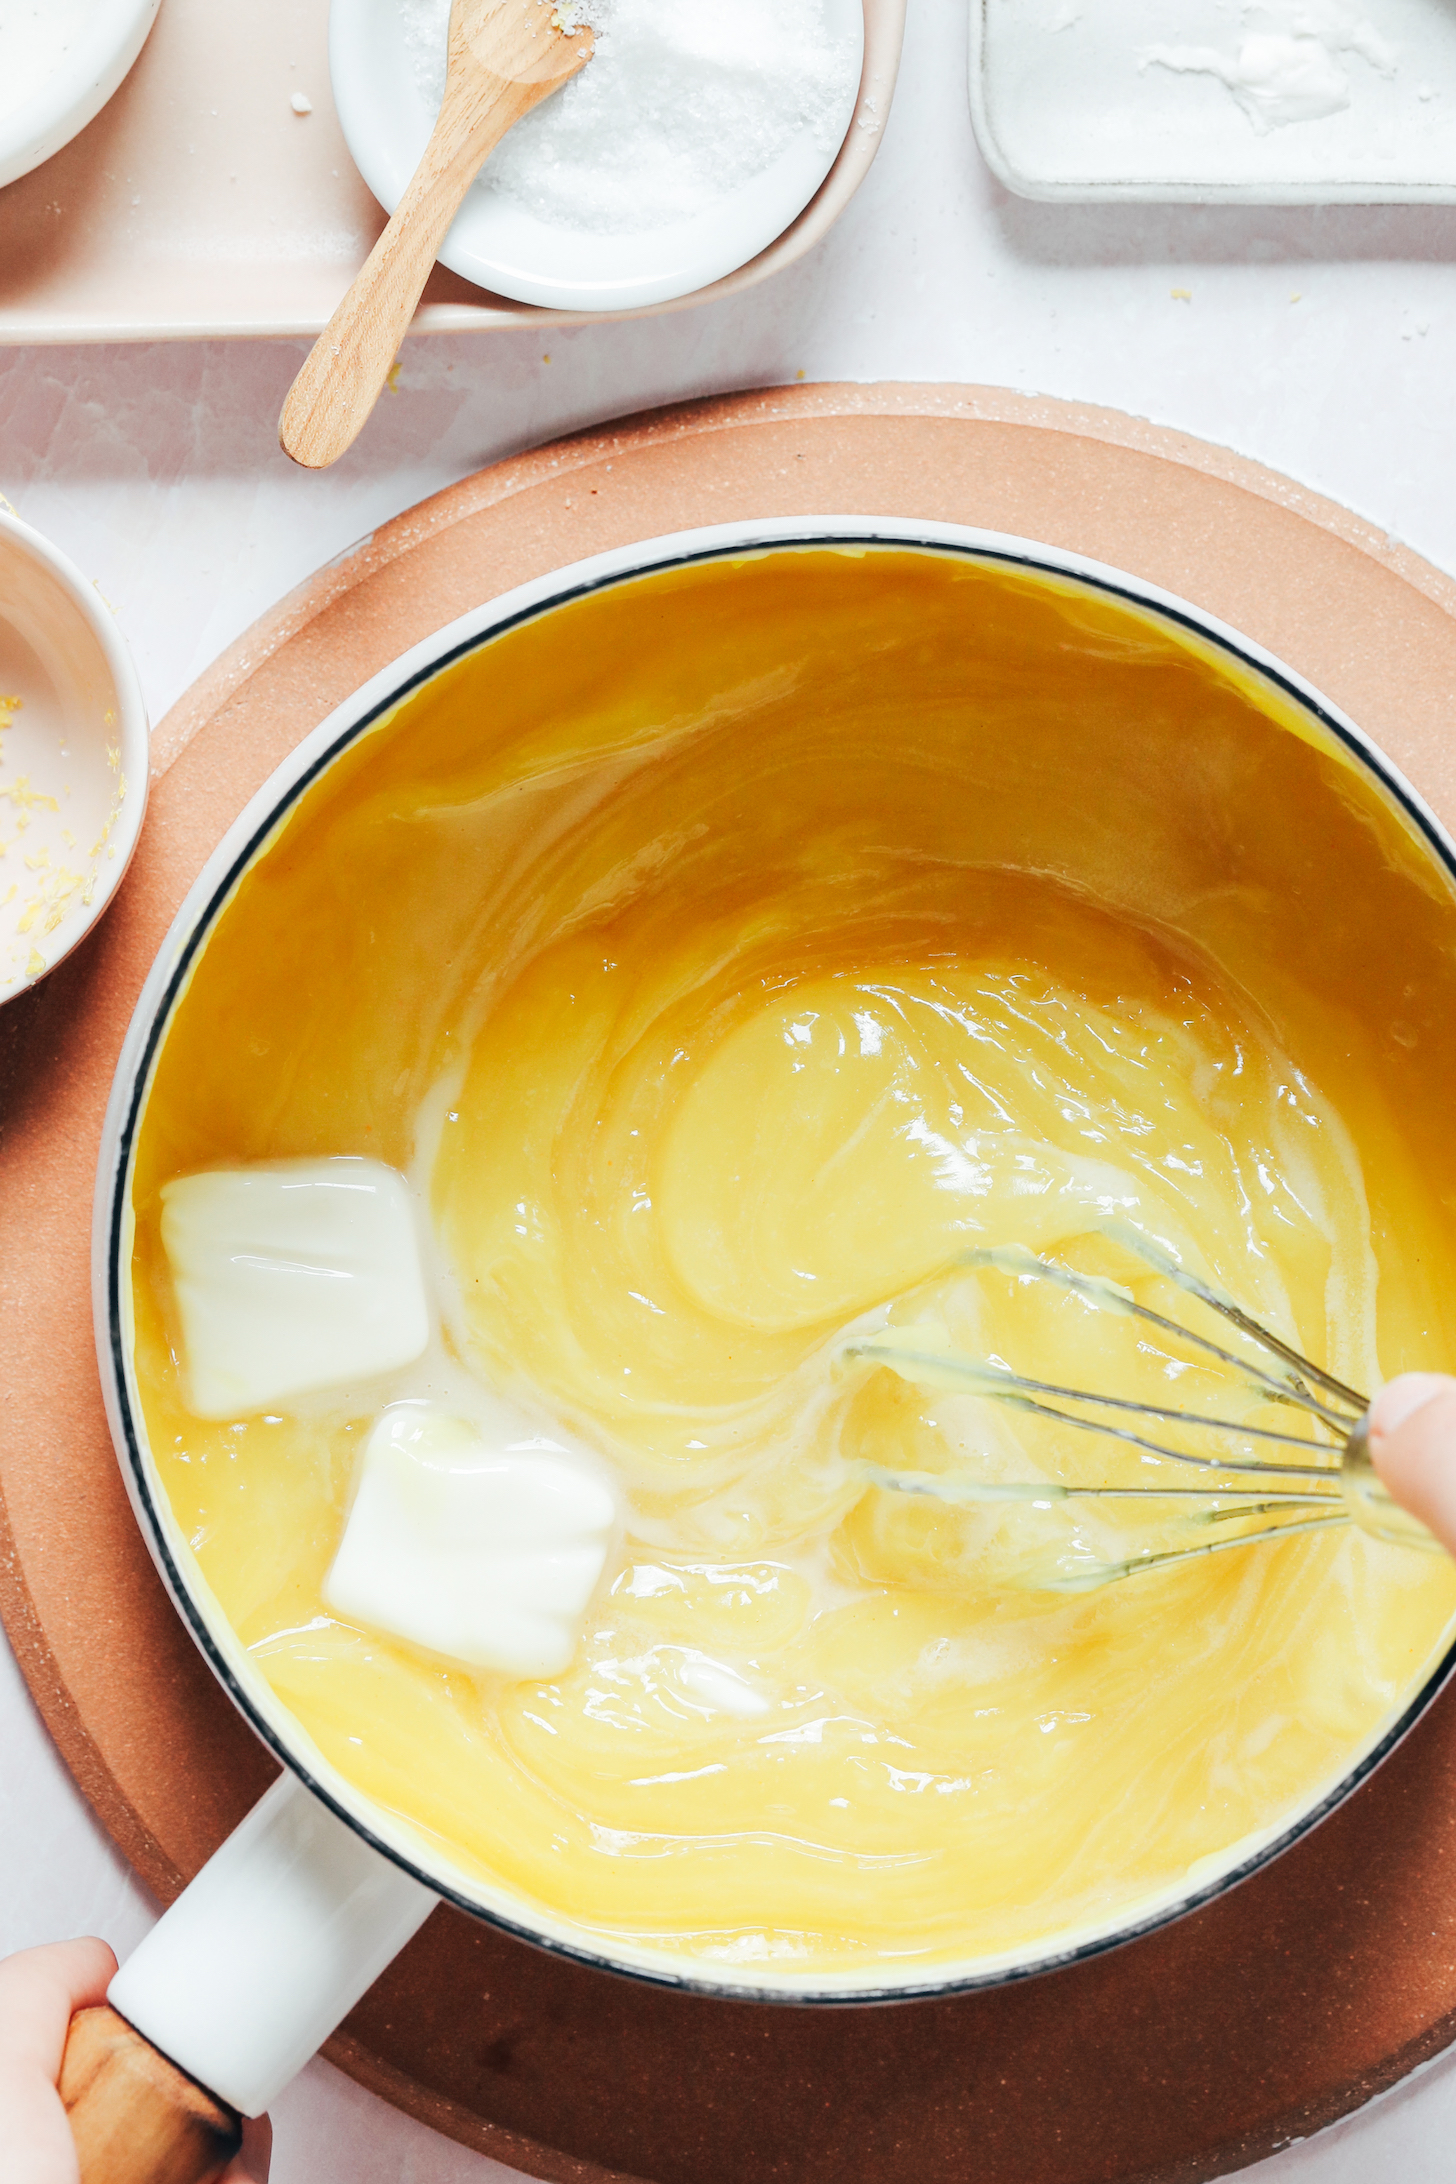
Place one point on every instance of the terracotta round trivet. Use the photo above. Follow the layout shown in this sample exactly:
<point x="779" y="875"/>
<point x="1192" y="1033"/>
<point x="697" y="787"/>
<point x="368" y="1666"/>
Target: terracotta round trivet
<point x="1281" y="2006"/>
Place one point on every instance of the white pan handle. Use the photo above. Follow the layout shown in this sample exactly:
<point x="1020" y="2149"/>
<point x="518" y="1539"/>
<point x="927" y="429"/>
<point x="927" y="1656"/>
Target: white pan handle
<point x="248" y="1973"/>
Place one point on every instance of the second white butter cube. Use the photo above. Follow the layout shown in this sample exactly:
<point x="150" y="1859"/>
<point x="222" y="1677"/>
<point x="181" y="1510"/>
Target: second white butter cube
<point x="487" y="1552"/>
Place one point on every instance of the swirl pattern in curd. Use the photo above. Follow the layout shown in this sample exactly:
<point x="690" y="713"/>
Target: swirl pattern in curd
<point x="724" y="960"/>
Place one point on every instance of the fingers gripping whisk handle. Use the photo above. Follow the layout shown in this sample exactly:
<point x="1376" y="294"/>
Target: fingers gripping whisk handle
<point x="1371" y="1505"/>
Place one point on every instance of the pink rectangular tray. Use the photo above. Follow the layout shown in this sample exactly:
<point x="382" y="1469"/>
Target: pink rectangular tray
<point x="199" y="204"/>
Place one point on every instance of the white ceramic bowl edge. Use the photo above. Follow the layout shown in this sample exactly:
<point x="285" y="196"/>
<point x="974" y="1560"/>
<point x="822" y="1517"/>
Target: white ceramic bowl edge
<point x="73" y="756"/>
<point x="75" y="91"/>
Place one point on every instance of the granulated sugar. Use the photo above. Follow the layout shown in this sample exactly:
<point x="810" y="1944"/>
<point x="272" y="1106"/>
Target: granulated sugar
<point x="682" y="102"/>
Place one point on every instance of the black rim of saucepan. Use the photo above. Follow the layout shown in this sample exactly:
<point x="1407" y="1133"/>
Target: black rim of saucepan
<point x="1146" y="601"/>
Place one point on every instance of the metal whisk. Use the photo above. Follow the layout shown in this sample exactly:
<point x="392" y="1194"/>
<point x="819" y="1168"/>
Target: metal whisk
<point x="1333" y="1483"/>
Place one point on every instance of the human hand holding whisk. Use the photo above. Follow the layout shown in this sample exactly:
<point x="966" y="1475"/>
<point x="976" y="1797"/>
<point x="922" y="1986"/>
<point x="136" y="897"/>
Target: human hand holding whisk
<point x="1412" y="1437"/>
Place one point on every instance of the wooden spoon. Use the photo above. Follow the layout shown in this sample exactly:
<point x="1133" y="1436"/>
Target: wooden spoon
<point x="504" y="57"/>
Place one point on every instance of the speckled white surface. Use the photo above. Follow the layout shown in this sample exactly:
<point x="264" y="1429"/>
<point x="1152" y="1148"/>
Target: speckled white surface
<point x="157" y="471"/>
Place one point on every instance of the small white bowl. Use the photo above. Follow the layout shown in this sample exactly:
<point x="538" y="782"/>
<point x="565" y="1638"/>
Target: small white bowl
<point x="73" y="757"/>
<point x="60" y="61"/>
<point x="503" y="247"/>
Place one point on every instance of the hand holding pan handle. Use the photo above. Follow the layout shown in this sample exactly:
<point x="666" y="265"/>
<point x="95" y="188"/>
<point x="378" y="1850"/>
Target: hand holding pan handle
<point x="135" y="2117"/>
<point x="236" y="1986"/>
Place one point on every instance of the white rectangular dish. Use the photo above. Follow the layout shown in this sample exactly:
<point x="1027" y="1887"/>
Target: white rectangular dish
<point x="200" y="202"/>
<point x="1274" y="102"/>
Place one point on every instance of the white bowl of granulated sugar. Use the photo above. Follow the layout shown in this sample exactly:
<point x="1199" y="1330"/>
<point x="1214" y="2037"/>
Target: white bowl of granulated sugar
<point x="688" y="143"/>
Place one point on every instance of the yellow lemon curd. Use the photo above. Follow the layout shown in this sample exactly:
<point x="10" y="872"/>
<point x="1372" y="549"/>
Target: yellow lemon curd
<point x="726" y="955"/>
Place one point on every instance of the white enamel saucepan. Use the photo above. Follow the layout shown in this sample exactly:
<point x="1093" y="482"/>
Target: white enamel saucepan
<point x="300" y="1910"/>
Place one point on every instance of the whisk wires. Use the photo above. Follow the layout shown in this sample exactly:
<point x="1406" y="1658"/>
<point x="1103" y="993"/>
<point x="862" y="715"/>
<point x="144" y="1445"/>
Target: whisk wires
<point x="1010" y="1388"/>
<point x="1282" y="1387"/>
<point x="1314" y="1499"/>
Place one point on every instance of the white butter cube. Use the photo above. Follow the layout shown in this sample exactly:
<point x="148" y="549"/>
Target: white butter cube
<point x="292" y="1279"/>
<point x="486" y="1551"/>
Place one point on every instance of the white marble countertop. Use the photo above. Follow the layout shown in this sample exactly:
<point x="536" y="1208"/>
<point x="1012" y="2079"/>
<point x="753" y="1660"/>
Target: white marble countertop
<point x="1318" y="341"/>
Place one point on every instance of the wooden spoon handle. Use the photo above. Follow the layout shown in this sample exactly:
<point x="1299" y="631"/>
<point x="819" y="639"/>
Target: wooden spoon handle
<point x="331" y="399"/>
<point x="135" y="2117"/>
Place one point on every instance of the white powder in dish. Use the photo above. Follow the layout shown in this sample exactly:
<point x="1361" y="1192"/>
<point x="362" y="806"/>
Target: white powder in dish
<point x="682" y="102"/>
<point x="1287" y="71"/>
